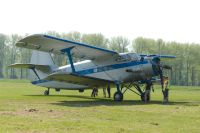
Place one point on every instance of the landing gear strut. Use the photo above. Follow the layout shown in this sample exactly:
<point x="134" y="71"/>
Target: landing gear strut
<point x="118" y="96"/>
<point x="136" y="85"/>
<point x="143" y="93"/>
<point x="46" y="92"/>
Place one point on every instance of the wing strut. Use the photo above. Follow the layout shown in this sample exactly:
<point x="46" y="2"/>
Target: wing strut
<point x="68" y="52"/>
<point x="33" y="68"/>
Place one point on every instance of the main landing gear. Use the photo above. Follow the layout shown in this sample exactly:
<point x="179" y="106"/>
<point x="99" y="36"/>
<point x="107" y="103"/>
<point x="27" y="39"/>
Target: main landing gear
<point x="118" y="95"/>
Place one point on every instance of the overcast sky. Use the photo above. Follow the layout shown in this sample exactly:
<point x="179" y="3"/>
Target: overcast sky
<point x="171" y="20"/>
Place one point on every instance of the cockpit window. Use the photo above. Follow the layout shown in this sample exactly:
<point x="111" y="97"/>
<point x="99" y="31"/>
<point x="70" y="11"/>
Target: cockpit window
<point x="128" y="57"/>
<point x="134" y="56"/>
<point x="124" y="57"/>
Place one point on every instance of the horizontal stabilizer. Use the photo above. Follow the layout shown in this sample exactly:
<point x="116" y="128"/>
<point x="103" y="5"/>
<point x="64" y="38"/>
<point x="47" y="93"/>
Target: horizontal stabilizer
<point x="78" y="79"/>
<point x="43" y="68"/>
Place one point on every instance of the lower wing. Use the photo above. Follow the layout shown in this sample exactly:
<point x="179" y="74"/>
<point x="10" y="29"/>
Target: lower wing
<point x="78" y="79"/>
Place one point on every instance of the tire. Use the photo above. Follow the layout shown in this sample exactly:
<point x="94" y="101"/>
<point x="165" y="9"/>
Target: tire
<point x="118" y="96"/>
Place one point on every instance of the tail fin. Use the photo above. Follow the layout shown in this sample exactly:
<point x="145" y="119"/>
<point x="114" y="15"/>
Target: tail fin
<point x="41" y="58"/>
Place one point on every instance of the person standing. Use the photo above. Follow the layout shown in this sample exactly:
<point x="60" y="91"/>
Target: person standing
<point x="104" y="91"/>
<point x="108" y="90"/>
<point x="94" y="92"/>
<point x="165" y="90"/>
<point x="147" y="93"/>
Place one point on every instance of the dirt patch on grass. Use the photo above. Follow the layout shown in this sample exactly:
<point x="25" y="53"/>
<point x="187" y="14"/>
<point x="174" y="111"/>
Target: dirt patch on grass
<point x="33" y="112"/>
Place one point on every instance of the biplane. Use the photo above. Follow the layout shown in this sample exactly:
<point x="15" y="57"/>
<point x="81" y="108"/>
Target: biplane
<point x="98" y="67"/>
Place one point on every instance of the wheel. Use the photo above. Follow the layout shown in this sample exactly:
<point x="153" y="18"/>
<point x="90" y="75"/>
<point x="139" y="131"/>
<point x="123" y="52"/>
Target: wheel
<point x="46" y="92"/>
<point x="118" y="96"/>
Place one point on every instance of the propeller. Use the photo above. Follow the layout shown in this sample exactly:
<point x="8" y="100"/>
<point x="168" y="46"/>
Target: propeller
<point x="157" y="66"/>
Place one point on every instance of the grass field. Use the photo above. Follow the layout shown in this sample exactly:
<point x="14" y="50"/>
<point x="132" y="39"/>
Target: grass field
<point x="23" y="108"/>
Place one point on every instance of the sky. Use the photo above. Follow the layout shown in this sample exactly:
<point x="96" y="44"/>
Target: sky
<point x="170" y="20"/>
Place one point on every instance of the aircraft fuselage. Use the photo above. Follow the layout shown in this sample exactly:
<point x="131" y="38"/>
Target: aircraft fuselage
<point x="113" y="70"/>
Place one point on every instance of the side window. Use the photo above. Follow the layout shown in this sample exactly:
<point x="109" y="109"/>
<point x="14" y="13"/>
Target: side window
<point x="135" y="57"/>
<point x="120" y="59"/>
<point x="123" y="58"/>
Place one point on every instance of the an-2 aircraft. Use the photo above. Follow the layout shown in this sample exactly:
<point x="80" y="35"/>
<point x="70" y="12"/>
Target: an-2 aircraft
<point x="100" y="68"/>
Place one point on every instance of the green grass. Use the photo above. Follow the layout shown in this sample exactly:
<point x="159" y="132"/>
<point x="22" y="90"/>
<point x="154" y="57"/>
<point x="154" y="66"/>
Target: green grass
<point x="71" y="111"/>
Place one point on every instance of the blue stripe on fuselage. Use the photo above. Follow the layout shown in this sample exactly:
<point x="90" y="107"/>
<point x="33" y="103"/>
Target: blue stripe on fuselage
<point x="101" y="69"/>
<point x="110" y="67"/>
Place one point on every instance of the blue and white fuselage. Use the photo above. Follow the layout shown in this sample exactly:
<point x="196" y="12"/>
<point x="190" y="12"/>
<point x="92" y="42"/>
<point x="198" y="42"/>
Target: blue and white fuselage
<point x="125" y="68"/>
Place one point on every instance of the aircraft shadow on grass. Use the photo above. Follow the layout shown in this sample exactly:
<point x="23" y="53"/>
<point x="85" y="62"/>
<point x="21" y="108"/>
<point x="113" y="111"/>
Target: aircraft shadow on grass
<point x="98" y="102"/>
<point x="88" y="101"/>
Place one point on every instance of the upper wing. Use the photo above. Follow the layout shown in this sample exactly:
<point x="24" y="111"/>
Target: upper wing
<point x="56" y="45"/>
<point x="43" y="68"/>
<point x="78" y="79"/>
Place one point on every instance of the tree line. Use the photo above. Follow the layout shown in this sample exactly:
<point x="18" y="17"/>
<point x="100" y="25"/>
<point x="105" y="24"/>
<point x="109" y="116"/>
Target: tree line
<point x="186" y="67"/>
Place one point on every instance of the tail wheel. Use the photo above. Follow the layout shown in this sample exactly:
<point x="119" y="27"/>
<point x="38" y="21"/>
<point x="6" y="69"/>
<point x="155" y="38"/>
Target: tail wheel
<point x="118" y="96"/>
